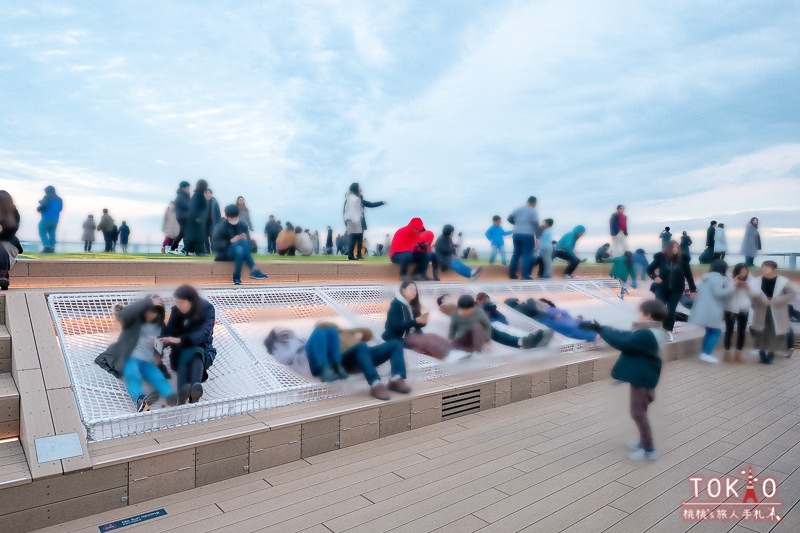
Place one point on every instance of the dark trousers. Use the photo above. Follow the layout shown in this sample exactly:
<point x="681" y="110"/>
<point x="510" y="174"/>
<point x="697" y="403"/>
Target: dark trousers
<point x="108" y="237"/>
<point x="272" y="244"/>
<point x="506" y="339"/>
<point x="369" y="358"/>
<point x="739" y="321"/>
<point x="523" y="252"/>
<point x="356" y="242"/>
<point x="471" y="341"/>
<point x="641" y="398"/>
<point x="571" y="259"/>
<point x="671" y="299"/>
<point x="190" y="371"/>
<point x="87" y="246"/>
<point x="5" y="261"/>
<point x="749" y="260"/>
<point x="179" y="238"/>
<point x="406" y="259"/>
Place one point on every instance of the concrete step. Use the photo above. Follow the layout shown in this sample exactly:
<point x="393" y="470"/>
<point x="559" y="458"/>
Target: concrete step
<point x="5" y="350"/>
<point x="9" y="407"/>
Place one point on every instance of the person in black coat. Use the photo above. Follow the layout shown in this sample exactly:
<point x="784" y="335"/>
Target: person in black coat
<point x="446" y="258"/>
<point x="190" y="334"/>
<point x="213" y="217"/>
<point x="670" y="272"/>
<point x="639" y="364"/>
<point x="329" y="242"/>
<point x="182" y="209"/>
<point x="271" y="231"/>
<point x="232" y="243"/>
<point x="196" y="225"/>
<point x="10" y="247"/>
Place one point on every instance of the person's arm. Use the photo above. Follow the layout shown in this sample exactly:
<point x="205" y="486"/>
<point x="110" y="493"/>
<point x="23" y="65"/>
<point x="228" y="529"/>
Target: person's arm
<point x="396" y="321"/>
<point x="786" y="297"/>
<point x="725" y="288"/>
<point x="489" y="234"/>
<point x="371" y="204"/>
<point x="651" y="268"/>
<point x="204" y="331"/>
<point x="625" y="341"/>
<point x="131" y="313"/>
<point x="509" y="232"/>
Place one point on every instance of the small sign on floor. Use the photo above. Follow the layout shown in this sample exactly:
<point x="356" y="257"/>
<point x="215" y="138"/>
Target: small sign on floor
<point x="138" y="519"/>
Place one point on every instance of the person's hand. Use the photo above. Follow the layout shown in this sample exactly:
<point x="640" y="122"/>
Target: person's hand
<point x="657" y="279"/>
<point x="422" y="319"/>
<point x="592" y="325"/>
<point x="170" y="340"/>
<point x="236" y="238"/>
<point x="158" y="301"/>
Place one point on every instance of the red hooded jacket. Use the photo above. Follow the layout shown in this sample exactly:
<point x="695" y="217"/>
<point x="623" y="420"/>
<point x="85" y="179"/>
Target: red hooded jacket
<point x="406" y="238"/>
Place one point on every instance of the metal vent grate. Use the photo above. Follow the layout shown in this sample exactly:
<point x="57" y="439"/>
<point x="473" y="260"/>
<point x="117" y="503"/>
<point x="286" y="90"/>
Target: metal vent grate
<point x="461" y="403"/>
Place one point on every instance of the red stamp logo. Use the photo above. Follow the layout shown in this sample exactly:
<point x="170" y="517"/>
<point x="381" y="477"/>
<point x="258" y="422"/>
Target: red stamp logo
<point x="732" y="498"/>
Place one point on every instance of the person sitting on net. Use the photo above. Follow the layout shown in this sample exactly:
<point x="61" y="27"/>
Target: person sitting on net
<point x="232" y="243"/>
<point x="546" y="313"/>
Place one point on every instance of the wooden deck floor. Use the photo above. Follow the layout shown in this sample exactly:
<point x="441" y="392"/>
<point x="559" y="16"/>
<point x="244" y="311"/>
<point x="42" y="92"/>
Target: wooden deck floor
<point x="554" y="463"/>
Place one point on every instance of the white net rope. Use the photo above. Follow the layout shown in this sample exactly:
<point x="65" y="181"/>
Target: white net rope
<point x="244" y="377"/>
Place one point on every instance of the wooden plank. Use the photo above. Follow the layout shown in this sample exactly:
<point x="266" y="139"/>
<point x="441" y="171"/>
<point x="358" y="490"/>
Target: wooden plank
<point x="66" y="419"/>
<point x="35" y="421"/>
<point x="18" y="322"/>
<point x="51" y="359"/>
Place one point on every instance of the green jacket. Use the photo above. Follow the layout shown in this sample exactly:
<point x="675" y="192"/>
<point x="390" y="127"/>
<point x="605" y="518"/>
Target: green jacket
<point x="459" y="324"/>
<point x="639" y="363"/>
<point x="620" y="268"/>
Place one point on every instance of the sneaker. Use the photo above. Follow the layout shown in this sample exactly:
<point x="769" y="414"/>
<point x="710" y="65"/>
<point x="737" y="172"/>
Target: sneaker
<point x="174" y="252"/>
<point x="171" y="400"/>
<point x="4" y="284"/>
<point x="635" y="445"/>
<point x="569" y="276"/>
<point x="642" y="455"/>
<point x="257" y="274"/>
<point x="670" y="336"/>
<point x="532" y="340"/>
<point x="237" y="281"/>
<point x="341" y="372"/>
<point x="195" y="392"/>
<point x="527" y="278"/>
<point x="708" y="358"/>
<point x="327" y="375"/>
<point x="145" y="401"/>
<point x="476" y="273"/>
<point x="457" y="355"/>
<point x="379" y="392"/>
<point x="183" y="394"/>
<point x="399" y="385"/>
<point x="548" y="336"/>
<point x="513" y="277"/>
<point x="787" y="355"/>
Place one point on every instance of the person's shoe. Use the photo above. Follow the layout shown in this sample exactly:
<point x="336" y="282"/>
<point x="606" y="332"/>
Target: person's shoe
<point x="359" y="258"/>
<point x="257" y="274"/>
<point x="195" y="392"/>
<point x="635" y="445"/>
<point x="670" y="336"/>
<point x="513" y="277"/>
<point x="476" y="273"/>
<point x="341" y="372"/>
<point x="237" y="281"/>
<point x="436" y="278"/>
<point x="4" y="283"/>
<point x="146" y="401"/>
<point x="708" y="358"/>
<point x="762" y="357"/>
<point x="327" y="375"/>
<point x="399" y="385"/>
<point x="183" y="394"/>
<point x="527" y="278"/>
<point x="770" y="357"/>
<point x="737" y="356"/>
<point x="787" y="355"/>
<point x="727" y="356"/>
<point x="351" y="258"/>
<point x="171" y="400"/>
<point x="173" y="252"/>
<point x="548" y="336"/>
<point x="379" y="392"/>
<point x="642" y="455"/>
<point x="569" y="276"/>
<point x="583" y="260"/>
<point x="532" y="340"/>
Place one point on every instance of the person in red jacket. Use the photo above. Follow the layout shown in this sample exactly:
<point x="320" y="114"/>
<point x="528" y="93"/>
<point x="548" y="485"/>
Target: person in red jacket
<point x="410" y="248"/>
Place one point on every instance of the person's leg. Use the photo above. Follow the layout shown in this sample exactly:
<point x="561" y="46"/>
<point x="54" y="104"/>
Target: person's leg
<point x="527" y="256"/>
<point x="515" y="256"/>
<point x="730" y="321"/>
<point x="741" y="330"/>
<point x="502" y="250"/>
<point x="422" y="264"/>
<point x="505" y="339"/>
<point x="428" y="344"/>
<point x="247" y="255"/>
<point x="360" y="245"/>
<point x="235" y="253"/>
<point x="493" y="254"/>
<point x="710" y="339"/>
<point x="177" y="239"/>
<point x="671" y="299"/>
<point x="361" y="356"/>
<point x="51" y="234"/>
<point x="43" y="233"/>
<point x="333" y="352"/>
<point x="152" y="375"/>
<point x="317" y="350"/>
<point x="471" y="341"/>
<point x="351" y="246"/>
<point x="133" y="378"/>
<point x="547" y="264"/>
<point x="460" y="268"/>
<point x="572" y="265"/>
<point x="640" y="400"/>
<point x="403" y="259"/>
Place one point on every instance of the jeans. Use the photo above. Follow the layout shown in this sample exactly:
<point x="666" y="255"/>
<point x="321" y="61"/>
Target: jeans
<point x="47" y="233"/>
<point x="322" y="350"/>
<point x="136" y="371"/>
<point x="506" y="339"/>
<point x="405" y="259"/>
<point x="239" y="252"/>
<point x="369" y="358"/>
<point x="501" y="249"/>
<point x="523" y="250"/>
<point x="571" y="259"/>
<point x="640" y="399"/>
<point x="546" y="263"/>
<point x="272" y="244"/>
<point x="190" y="371"/>
<point x="749" y="260"/>
<point x="639" y="271"/>
<point x="356" y="243"/>
<point x="460" y="268"/>
<point x="739" y="320"/>
<point x="710" y="339"/>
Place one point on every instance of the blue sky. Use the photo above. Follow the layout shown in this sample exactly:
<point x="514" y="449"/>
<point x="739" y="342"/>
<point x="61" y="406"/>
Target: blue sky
<point x="451" y="110"/>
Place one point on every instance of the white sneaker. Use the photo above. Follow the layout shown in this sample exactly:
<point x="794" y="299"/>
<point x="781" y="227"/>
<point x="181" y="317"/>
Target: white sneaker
<point x="174" y="252"/>
<point x="635" y="445"/>
<point x="789" y="353"/>
<point x="670" y="336"/>
<point x="642" y="455"/>
<point x="457" y="355"/>
<point x="707" y="358"/>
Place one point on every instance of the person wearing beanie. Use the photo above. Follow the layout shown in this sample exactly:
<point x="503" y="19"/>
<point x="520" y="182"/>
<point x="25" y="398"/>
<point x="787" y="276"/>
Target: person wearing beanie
<point x="182" y="203"/>
<point x="445" y="251"/>
<point x="526" y="227"/>
<point x="231" y="241"/>
<point x="50" y="208"/>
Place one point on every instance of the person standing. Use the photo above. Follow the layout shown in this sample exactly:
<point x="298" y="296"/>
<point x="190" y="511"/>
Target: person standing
<point x="89" y="227"/>
<point x="50" y="208"/>
<point x="708" y="310"/>
<point x="170" y="227"/>
<point x="737" y="311"/>
<point x="771" y="323"/>
<point x="106" y="225"/>
<point x="496" y="236"/>
<point x="10" y="247"/>
<point x="124" y="235"/>
<point x="114" y="238"/>
<point x="315" y="242"/>
<point x="182" y="211"/>
<point x="752" y="242"/>
<point x="686" y="242"/>
<point x="244" y="212"/>
<point x="619" y="231"/>
<point x="708" y="253"/>
<point x="565" y="249"/>
<point x="670" y="272"/>
<point x="329" y="241"/>
<point x="546" y="249"/>
<point x="196" y="225"/>
<point x="354" y="219"/>
<point x="213" y="217"/>
<point x="720" y="242"/>
<point x="666" y="236"/>
<point x="525" y="220"/>
<point x="271" y="231"/>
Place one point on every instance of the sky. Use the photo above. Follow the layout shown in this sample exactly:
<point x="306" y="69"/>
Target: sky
<point x="453" y="111"/>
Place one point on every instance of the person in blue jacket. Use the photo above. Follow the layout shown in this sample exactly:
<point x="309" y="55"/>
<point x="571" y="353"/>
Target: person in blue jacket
<point x="546" y="313"/>
<point x="639" y="364"/>
<point x="50" y="208"/>
<point x="565" y="249"/>
<point x="496" y="235"/>
<point x="640" y="264"/>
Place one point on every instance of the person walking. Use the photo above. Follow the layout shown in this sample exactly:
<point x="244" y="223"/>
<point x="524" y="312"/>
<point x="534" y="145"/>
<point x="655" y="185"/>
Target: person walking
<point x="106" y="226"/>
<point x="666" y="236"/>
<point x="720" y="242"/>
<point x="213" y="217"/>
<point x="496" y="236"/>
<point x="50" y="208"/>
<point x="244" y="213"/>
<point x="708" y="253"/>
<point x="170" y="227"/>
<point x="525" y="220"/>
<point x="670" y="272"/>
<point x="708" y="310"/>
<point x="195" y="236"/>
<point x="565" y="249"/>
<point x="619" y="231"/>
<point x="737" y="311"/>
<point x="771" y="298"/>
<point x="686" y="242"/>
<point x="124" y="236"/>
<point x="271" y="231"/>
<point x="182" y="211"/>
<point x="10" y="247"/>
<point x="89" y="227"/>
<point x="752" y="242"/>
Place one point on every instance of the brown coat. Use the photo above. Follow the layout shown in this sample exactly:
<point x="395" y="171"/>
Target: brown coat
<point x="348" y="337"/>
<point x="784" y="294"/>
